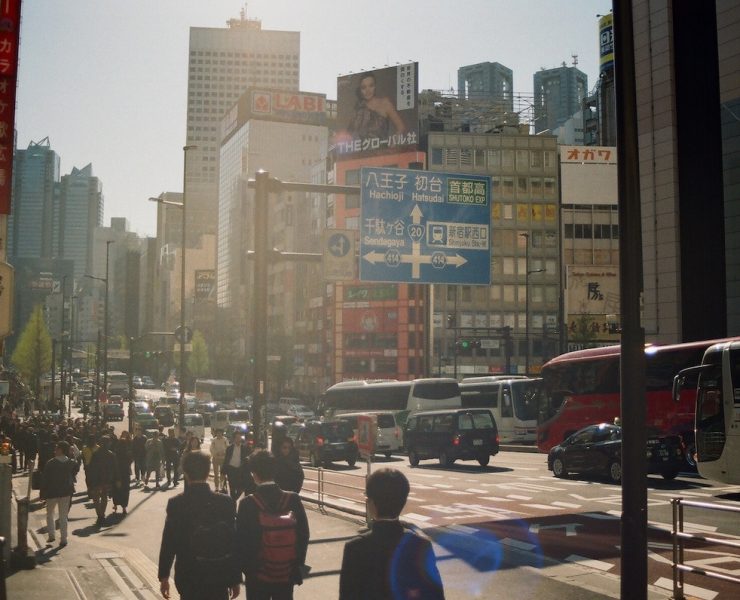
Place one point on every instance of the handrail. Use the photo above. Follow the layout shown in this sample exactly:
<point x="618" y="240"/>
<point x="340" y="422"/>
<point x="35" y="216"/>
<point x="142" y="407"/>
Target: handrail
<point x="324" y="498"/>
<point x="680" y="536"/>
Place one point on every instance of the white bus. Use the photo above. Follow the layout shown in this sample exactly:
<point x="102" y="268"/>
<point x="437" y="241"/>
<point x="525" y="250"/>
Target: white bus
<point x="513" y="402"/>
<point x="215" y="390"/>
<point x="400" y="397"/>
<point x="717" y="419"/>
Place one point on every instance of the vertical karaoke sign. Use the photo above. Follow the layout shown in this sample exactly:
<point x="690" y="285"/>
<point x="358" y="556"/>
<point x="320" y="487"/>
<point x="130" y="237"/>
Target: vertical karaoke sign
<point x="10" y="21"/>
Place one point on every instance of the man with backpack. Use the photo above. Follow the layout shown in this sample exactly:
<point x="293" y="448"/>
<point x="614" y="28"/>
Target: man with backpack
<point x="199" y="537"/>
<point x="272" y="534"/>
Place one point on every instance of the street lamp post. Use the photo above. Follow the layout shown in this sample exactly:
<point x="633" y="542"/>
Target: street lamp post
<point x="181" y="341"/>
<point x="105" y="326"/>
<point x="527" y="273"/>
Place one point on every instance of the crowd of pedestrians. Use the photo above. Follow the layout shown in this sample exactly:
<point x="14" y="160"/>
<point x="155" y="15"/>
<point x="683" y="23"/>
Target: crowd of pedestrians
<point x="251" y="527"/>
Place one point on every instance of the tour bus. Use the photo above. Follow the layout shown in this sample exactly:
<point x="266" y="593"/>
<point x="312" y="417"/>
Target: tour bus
<point x="118" y="384"/>
<point x="513" y="402"/>
<point x="401" y="397"/>
<point x="717" y="423"/>
<point x="215" y="390"/>
<point x="582" y="388"/>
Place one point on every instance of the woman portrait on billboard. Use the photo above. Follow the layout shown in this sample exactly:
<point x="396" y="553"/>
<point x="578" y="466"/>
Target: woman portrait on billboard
<point x="373" y="114"/>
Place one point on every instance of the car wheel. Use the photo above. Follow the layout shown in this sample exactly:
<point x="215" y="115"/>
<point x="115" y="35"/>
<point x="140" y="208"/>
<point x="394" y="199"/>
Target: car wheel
<point x="615" y="471"/>
<point x="351" y="461"/>
<point x="669" y="475"/>
<point x="558" y="468"/>
<point x="689" y="455"/>
<point x="484" y="459"/>
<point x="413" y="458"/>
<point x="445" y="460"/>
<point x="315" y="462"/>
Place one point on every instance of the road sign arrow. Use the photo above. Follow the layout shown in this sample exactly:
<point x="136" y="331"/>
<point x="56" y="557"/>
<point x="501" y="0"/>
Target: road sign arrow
<point x="456" y="260"/>
<point x="416" y="215"/>
<point x="570" y="528"/>
<point x="374" y="257"/>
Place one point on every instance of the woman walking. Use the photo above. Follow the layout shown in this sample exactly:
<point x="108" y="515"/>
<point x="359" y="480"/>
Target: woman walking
<point x="124" y="458"/>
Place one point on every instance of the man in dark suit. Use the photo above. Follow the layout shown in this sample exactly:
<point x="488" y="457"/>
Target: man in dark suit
<point x="272" y="533"/>
<point x="199" y="537"/>
<point x="236" y="468"/>
<point x="389" y="562"/>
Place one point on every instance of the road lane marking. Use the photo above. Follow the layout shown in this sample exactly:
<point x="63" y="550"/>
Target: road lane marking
<point x="476" y="491"/>
<point x="591" y="563"/>
<point x="566" y="504"/>
<point x="456" y="492"/>
<point x="571" y="529"/>
<point x="442" y="485"/>
<point x="495" y="499"/>
<point x="540" y="506"/>
<point x="689" y="590"/>
<point x="416" y="517"/>
<point x="515" y="497"/>
<point x="517" y="544"/>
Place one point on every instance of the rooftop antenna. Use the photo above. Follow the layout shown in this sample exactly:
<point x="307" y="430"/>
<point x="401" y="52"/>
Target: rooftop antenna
<point x="575" y="59"/>
<point x="243" y="12"/>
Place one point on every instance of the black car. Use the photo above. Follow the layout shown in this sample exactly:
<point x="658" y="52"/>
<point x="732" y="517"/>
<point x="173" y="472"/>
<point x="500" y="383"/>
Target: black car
<point x="449" y="435"/>
<point x="598" y="449"/>
<point x="322" y="442"/>
<point x="165" y="415"/>
<point x="112" y="412"/>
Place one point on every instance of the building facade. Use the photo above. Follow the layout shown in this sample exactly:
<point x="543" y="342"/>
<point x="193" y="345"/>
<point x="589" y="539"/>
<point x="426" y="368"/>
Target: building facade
<point x="487" y="81"/>
<point x="525" y="258"/>
<point x="222" y="64"/>
<point x="558" y="94"/>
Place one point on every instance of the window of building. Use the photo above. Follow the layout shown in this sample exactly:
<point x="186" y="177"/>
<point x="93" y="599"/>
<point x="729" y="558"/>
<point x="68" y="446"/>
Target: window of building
<point x="508" y="211"/>
<point x="521" y="186"/>
<point x="507" y="159"/>
<point x="535" y="184"/>
<point x="509" y="293"/>
<point x="536" y="156"/>
<point x="551" y="294"/>
<point x="522" y="160"/>
<point x="521" y="265"/>
<point x="507" y="187"/>
<point x="536" y="294"/>
<point x="466" y="157"/>
<point x="508" y="265"/>
<point x="467" y="293"/>
<point x="479" y="157"/>
<point x="550" y="266"/>
<point x="452" y="156"/>
<point x="494" y="159"/>
<point x="494" y="293"/>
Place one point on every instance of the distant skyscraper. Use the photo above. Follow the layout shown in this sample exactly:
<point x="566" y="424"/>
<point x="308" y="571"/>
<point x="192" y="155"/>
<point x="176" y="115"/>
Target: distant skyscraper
<point x="78" y="211"/>
<point x="487" y="81"/>
<point x="557" y="96"/>
<point x="35" y="173"/>
<point x="222" y="64"/>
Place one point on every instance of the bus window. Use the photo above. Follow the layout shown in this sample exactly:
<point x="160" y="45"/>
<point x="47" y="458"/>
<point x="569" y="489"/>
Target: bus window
<point x="507" y="410"/>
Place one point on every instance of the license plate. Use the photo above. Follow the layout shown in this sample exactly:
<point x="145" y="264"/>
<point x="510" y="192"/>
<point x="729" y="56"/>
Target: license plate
<point x="477" y="442"/>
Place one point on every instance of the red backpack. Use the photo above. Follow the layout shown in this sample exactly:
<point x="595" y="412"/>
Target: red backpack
<point x="277" y="555"/>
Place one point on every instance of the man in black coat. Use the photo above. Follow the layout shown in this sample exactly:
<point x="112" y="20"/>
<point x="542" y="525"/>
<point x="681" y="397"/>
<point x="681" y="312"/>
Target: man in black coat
<point x="102" y="475"/>
<point x="389" y="562"/>
<point x="271" y="580"/>
<point x="198" y="509"/>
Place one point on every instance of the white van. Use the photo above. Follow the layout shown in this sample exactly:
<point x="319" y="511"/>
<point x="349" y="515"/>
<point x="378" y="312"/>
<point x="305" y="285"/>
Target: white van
<point x="390" y="434"/>
<point x="221" y="418"/>
<point x="194" y="422"/>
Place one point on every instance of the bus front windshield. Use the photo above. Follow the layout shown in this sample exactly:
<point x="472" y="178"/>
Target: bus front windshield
<point x="528" y="396"/>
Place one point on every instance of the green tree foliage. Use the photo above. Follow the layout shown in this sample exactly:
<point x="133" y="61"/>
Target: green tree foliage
<point x="32" y="355"/>
<point x="198" y="361"/>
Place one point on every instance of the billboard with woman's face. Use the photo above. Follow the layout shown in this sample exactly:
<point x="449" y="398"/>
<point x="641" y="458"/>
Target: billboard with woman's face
<point x="377" y="112"/>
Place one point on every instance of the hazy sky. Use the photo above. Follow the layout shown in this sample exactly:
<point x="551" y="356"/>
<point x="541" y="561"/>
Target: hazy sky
<point x="106" y="80"/>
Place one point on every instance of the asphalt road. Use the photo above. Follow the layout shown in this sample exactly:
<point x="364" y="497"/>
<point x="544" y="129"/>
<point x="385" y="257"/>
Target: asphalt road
<point x="515" y="502"/>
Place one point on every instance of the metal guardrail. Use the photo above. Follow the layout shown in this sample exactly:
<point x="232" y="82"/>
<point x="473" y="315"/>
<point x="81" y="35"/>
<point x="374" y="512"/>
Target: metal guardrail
<point x="680" y="537"/>
<point x="329" y="486"/>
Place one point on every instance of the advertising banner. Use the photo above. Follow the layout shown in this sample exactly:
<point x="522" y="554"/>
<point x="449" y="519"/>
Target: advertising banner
<point x="370" y="320"/>
<point x="606" y="42"/>
<point x="10" y="22"/>
<point x="377" y="112"/>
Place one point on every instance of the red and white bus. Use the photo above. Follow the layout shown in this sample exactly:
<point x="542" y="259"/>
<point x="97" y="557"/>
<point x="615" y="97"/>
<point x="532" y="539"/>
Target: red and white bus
<point x="582" y="388"/>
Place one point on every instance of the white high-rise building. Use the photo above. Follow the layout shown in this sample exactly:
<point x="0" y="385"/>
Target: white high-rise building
<point x="222" y="64"/>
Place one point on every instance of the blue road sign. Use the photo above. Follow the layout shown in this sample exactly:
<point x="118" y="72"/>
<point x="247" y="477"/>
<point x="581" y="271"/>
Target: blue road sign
<point x="425" y="227"/>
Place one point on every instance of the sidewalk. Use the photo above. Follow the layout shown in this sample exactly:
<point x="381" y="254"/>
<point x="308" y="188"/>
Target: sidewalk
<point x="95" y="566"/>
